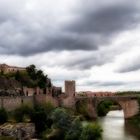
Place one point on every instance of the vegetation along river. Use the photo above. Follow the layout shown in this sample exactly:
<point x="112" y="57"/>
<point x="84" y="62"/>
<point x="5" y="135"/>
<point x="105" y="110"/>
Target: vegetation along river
<point x="115" y="128"/>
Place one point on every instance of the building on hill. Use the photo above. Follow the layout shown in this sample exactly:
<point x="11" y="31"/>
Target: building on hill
<point x="7" y="69"/>
<point x="95" y="94"/>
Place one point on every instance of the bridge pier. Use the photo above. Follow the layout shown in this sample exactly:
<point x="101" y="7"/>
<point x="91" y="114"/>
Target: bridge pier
<point x="130" y="108"/>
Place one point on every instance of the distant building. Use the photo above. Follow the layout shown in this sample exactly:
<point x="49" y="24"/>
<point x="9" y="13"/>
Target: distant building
<point x="95" y="94"/>
<point x="8" y="69"/>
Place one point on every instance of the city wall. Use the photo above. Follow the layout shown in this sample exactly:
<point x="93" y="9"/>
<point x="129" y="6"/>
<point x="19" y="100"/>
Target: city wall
<point x="11" y="103"/>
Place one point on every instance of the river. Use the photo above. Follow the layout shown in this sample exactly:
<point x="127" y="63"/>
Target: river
<point x="115" y="128"/>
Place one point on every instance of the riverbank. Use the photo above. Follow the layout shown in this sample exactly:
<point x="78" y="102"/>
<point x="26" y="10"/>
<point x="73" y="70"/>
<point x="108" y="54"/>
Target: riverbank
<point x="135" y="121"/>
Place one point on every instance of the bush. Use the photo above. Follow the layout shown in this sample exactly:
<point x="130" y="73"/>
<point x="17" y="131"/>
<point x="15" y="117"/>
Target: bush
<point x="53" y="134"/>
<point x="22" y="113"/>
<point x="74" y="131"/>
<point x="61" y="119"/>
<point x="91" y="132"/>
<point x="3" y="116"/>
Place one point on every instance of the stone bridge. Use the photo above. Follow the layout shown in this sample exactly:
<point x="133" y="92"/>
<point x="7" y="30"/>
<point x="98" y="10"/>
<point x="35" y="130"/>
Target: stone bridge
<point x="129" y="104"/>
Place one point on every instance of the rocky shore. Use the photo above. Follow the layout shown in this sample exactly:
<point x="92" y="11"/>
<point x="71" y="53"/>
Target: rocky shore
<point x="20" y="131"/>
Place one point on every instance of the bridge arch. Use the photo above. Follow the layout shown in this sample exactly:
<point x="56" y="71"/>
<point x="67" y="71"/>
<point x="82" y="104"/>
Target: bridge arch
<point x="103" y="106"/>
<point x="129" y="105"/>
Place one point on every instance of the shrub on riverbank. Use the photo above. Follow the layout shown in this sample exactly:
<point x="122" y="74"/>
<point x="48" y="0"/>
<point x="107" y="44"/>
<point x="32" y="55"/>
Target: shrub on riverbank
<point x="22" y="113"/>
<point x="3" y="116"/>
<point x="91" y="132"/>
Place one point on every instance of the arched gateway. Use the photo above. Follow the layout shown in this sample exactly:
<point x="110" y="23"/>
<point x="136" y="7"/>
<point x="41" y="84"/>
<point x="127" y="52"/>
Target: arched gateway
<point x="128" y="104"/>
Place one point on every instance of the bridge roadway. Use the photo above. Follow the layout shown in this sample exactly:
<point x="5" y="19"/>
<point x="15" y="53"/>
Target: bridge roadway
<point x="108" y="97"/>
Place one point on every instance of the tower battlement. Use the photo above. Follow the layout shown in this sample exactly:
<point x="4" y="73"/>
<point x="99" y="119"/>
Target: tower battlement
<point x="70" y="88"/>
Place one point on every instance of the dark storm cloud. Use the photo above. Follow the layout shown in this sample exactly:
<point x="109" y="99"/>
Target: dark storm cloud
<point x="108" y="20"/>
<point x="70" y="42"/>
<point x="100" y="24"/>
<point x="94" y="28"/>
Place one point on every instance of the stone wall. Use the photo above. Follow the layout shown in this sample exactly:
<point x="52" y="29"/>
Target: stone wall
<point x="32" y="91"/>
<point x="42" y="98"/>
<point x="68" y="102"/>
<point x="11" y="103"/>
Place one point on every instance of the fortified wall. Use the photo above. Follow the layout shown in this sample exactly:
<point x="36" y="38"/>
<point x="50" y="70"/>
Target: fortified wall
<point x="30" y="97"/>
<point x="11" y="103"/>
<point x="129" y="104"/>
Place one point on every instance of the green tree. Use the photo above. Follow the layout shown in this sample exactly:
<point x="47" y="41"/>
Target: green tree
<point x="17" y="76"/>
<point x="42" y="79"/>
<point x="39" y="73"/>
<point x="40" y="116"/>
<point x="37" y="76"/>
<point x="32" y="71"/>
<point x="42" y="82"/>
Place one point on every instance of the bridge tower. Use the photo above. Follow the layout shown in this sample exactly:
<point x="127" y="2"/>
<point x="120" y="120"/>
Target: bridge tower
<point x="70" y="88"/>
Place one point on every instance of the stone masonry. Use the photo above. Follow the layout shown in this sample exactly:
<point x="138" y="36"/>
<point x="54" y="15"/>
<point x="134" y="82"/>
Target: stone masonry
<point x="70" y="88"/>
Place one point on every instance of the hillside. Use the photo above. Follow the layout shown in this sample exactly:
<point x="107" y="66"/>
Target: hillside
<point x="13" y="82"/>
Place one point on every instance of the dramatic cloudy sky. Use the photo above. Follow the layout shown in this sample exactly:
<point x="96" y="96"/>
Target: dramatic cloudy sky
<point x="96" y="43"/>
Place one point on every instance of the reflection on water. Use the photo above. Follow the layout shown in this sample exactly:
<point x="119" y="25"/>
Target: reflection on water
<point x="115" y="128"/>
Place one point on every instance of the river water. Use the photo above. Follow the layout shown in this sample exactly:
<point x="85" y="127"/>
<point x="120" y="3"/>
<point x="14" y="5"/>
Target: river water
<point x="115" y="128"/>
